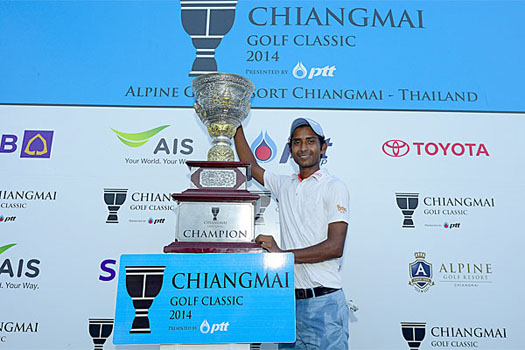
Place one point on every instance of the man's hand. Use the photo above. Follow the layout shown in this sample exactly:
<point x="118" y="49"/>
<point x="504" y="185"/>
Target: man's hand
<point x="268" y="243"/>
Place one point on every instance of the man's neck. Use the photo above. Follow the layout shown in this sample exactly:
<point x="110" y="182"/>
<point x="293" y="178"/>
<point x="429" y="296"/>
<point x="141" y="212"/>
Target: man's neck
<point x="307" y="172"/>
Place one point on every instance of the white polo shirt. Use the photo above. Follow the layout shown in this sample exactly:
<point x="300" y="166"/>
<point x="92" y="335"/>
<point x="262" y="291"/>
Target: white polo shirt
<point x="305" y="209"/>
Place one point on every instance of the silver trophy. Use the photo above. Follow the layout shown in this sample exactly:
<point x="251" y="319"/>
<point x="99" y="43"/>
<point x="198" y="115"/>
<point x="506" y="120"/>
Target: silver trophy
<point x="222" y="103"/>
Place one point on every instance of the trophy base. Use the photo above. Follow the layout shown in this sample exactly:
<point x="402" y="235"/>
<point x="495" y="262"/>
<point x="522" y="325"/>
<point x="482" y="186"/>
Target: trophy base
<point x="213" y="247"/>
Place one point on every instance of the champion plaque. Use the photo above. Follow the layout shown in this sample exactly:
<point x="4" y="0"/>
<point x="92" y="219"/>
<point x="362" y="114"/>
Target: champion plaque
<point x="217" y="213"/>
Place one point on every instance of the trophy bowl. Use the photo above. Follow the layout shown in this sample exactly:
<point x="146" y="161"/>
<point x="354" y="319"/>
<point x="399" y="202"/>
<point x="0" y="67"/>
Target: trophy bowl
<point x="222" y="103"/>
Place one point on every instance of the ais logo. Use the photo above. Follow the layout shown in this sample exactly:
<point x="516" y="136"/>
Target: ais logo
<point x="134" y="140"/>
<point x="35" y="144"/>
<point x="18" y="267"/>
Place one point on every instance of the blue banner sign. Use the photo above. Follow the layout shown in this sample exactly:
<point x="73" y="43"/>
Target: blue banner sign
<point x="205" y="298"/>
<point x="423" y="55"/>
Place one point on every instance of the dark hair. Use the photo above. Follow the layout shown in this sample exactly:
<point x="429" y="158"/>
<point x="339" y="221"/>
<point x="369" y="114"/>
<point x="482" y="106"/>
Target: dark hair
<point x="322" y="140"/>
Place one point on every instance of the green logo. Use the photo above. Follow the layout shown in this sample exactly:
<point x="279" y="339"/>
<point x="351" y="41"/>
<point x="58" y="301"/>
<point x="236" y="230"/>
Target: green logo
<point x="6" y="247"/>
<point x="138" y="139"/>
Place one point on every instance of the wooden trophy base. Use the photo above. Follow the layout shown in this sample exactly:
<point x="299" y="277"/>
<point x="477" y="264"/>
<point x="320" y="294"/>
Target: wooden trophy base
<point x="213" y="247"/>
<point x="216" y="214"/>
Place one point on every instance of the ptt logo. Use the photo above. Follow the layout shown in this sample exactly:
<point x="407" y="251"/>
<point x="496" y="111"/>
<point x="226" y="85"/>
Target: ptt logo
<point x="153" y="221"/>
<point x="7" y="218"/>
<point x="35" y="144"/>
<point x="285" y="156"/>
<point x="301" y="72"/>
<point x="264" y="148"/>
<point x="448" y="226"/>
<point x="205" y="327"/>
<point x="399" y="148"/>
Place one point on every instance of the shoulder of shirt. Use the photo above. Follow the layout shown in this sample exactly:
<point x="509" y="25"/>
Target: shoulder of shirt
<point x="330" y="179"/>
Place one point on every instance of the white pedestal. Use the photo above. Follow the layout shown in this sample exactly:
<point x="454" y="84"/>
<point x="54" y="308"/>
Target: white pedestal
<point x="206" y="347"/>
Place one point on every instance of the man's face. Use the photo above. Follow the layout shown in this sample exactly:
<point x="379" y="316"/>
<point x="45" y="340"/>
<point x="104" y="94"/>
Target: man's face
<point x="306" y="148"/>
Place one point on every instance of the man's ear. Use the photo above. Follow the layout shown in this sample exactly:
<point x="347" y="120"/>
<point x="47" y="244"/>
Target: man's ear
<point x="324" y="146"/>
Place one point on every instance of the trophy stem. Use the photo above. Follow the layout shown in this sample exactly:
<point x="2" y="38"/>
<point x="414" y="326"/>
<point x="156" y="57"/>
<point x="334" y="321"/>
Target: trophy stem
<point x="221" y="149"/>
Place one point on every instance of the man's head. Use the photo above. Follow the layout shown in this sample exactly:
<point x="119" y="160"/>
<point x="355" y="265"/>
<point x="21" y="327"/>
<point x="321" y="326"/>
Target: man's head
<point x="307" y="143"/>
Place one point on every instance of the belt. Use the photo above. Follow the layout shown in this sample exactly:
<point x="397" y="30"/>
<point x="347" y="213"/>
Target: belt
<point x="313" y="292"/>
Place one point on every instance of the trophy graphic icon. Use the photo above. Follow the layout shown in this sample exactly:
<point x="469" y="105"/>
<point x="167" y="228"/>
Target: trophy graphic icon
<point x="114" y="198"/>
<point x="143" y="284"/>
<point x="414" y="333"/>
<point x="407" y="202"/>
<point x="215" y="212"/>
<point x="100" y="329"/>
<point x="207" y="22"/>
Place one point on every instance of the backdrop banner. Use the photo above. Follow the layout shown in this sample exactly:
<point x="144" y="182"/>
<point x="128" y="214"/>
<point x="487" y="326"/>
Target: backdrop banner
<point x="423" y="110"/>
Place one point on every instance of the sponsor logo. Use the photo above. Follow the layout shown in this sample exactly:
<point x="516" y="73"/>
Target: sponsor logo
<point x="13" y="270"/>
<point x="156" y="221"/>
<point x="420" y="272"/>
<point x="400" y="148"/>
<point x="108" y="269"/>
<point x="100" y="329"/>
<point x="451" y="273"/>
<point x="285" y="156"/>
<point x="451" y="226"/>
<point x="301" y="72"/>
<point x="136" y="277"/>
<point x="443" y="208"/>
<point x="138" y="139"/>
<point x="35" y="144"/>
<point x="163" y="147"/>
<point x="396" y="148"/>
<point x="341" y="209"/>
<point x="205" y="327"/>
<point x="465" y="274"/>
<point x="264" y="148"/>
<point x="7" y="218"/>
<point x="445" y="337"/>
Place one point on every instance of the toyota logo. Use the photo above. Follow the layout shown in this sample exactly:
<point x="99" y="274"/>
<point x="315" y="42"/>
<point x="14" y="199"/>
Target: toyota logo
<point x="395" y="148"/>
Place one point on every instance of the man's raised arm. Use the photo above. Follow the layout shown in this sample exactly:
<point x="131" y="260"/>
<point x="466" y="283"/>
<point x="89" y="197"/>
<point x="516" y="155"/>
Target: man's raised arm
<point x="245" y="155"/>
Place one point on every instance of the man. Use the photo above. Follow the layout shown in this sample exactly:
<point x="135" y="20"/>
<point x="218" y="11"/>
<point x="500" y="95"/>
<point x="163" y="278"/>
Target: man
<point x="313" y="211"/>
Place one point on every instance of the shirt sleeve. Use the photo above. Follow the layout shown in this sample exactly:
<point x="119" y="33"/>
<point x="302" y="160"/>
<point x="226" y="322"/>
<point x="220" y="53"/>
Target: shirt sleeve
<point x="336" y="203"/>
<point x="273" y="182"/>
